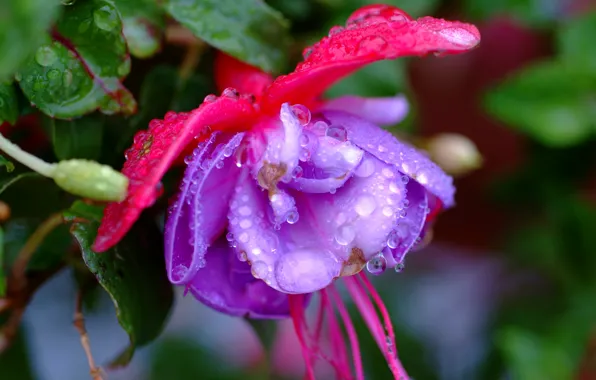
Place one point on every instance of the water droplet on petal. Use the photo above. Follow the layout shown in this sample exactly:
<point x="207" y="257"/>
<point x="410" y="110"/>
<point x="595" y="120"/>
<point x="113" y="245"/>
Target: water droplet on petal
<point x="365" y="169"/>
<point x="337" y="132"/>
<point x="231" y="93"/>
<point x="302" y="114"/>
<point x="292" y="217"/>
<point x="459" y="36"/>
<point x="365" y="205"/>
<point x="259" y="269"/>
<point x="210" y="98"/>
<point x="377" y="264"/>
<point x="345" y="234"/>
<point x="304" y="140"/>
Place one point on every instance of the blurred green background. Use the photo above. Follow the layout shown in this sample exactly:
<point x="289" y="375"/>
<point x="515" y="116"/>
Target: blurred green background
<point x="507" y="289"/>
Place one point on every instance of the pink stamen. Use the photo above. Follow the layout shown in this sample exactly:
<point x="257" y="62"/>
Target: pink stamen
<point x="354" y="345"/>
<point x="337" y="339"/>
<point x="296" y="302"/>
<point x="367" y="310"/>
<point x="394" y="363"/>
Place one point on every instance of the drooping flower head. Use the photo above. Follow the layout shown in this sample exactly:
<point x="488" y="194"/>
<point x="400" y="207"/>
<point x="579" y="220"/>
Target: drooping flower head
<point x="287" y="192"/>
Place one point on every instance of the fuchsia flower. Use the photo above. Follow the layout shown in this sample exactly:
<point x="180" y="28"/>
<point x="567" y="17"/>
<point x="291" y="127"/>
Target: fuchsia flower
<point x="285" y="192"/>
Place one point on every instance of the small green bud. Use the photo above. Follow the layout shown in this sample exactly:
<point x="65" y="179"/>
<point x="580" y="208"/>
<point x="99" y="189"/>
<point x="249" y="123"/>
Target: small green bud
<point x="90" y="179"/>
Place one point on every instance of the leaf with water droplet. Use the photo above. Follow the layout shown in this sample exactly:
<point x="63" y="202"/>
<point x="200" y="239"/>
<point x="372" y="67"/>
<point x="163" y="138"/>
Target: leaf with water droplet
<point x="78" y="138"/>
<point x="22" y="30"/>
<point x="249" y="30"/>
<point x="133" y="274"/>
<point x="550" y="101"/>
<point x="143" y="26"/>
<point x="9" y="110"/>
<point x="80" y="67"/>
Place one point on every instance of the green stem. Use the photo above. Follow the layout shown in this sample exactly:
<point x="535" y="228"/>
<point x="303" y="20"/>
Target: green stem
<point x="26" y="159"/>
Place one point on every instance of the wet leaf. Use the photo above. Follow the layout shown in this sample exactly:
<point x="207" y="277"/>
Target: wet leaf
<point x="22" y="27"/>
<point x="143" y="24"/>
<point x="9" y="108"/>
<point x="7" y="164"/>
<point x="249" y="30"/>
<point x="80" y="68"/>
<point x="82" y="210"/>
<point x="551" y="102"/>
<point x="133" y="274"/>
<point x="78" y="138"/>
<point x="576" y="42"/>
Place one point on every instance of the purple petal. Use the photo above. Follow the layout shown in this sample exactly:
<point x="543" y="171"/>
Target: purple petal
<point x="329" y="166"/>
<point x="198" y="216"/>
<point x="408" y="230"/>
<point x="292" y="258"/>
<point x="379" y="111"/>
<point x="384" y="146"/>
<point x="226" y="285"/>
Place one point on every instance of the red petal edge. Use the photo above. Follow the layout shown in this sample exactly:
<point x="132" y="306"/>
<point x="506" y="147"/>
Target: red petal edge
<point x="154" y="151"/>
<point x="230" y="72"/>
<point x="371" y="33"/>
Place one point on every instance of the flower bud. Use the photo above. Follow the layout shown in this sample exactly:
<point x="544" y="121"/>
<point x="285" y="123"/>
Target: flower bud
<point x="90" y="179"/>
<point x="455" y="153"/>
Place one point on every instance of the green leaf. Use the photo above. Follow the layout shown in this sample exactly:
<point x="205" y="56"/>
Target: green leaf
<point x="133" y="274"/>
<point x="22" y="26"/>
<point x="143" y="24"/>
<point x="528" y="11"/>
<point x="82" y="210"/>
<point x="549" y="101"/>
<point x="532" y="356"/>
<point x="9" y="108"/>
<point x="576" y="42"/>
<point x="78" y="138"/>
<point x="8" y="164"/>
<point x="80" y="70"/>
<point x="383" y="78"/>
<point x="249" y="30"/>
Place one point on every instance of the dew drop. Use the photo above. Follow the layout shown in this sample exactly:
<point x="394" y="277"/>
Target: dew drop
<point x="124" y="68"/>
<point x="210" y="98"/>
<point x="219" y="164"/>
<point x="53" y="74"/>
<point x="67" y="78"/>
<point x="230" y="237"/>
<point x="302" y="114"/>
<point x="243" y="237"/>
<point x="231" y="93"/>
<point x="387" y="211"/>
<point x="345" y="234"/>
<point x="297" y="172"/>
<point x="365" y="169"/>
<point x="365" y="205"/>
<point x="399" y="267"/>
<point x="303" y="140"/>
<point x="105" y="18"/>
<point x="45" y="56"/>
<point x="377" y="264"/>
<point x="304" y="155"/>
<point x="259" y="269"/>
<point x="245" y="224"/>
<point x="335" y="30"/>
<point x="292" y="217"/>
<point x="244" y="211"/>
<point x="372" y="44"/>
<point x="337" y="132"/>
